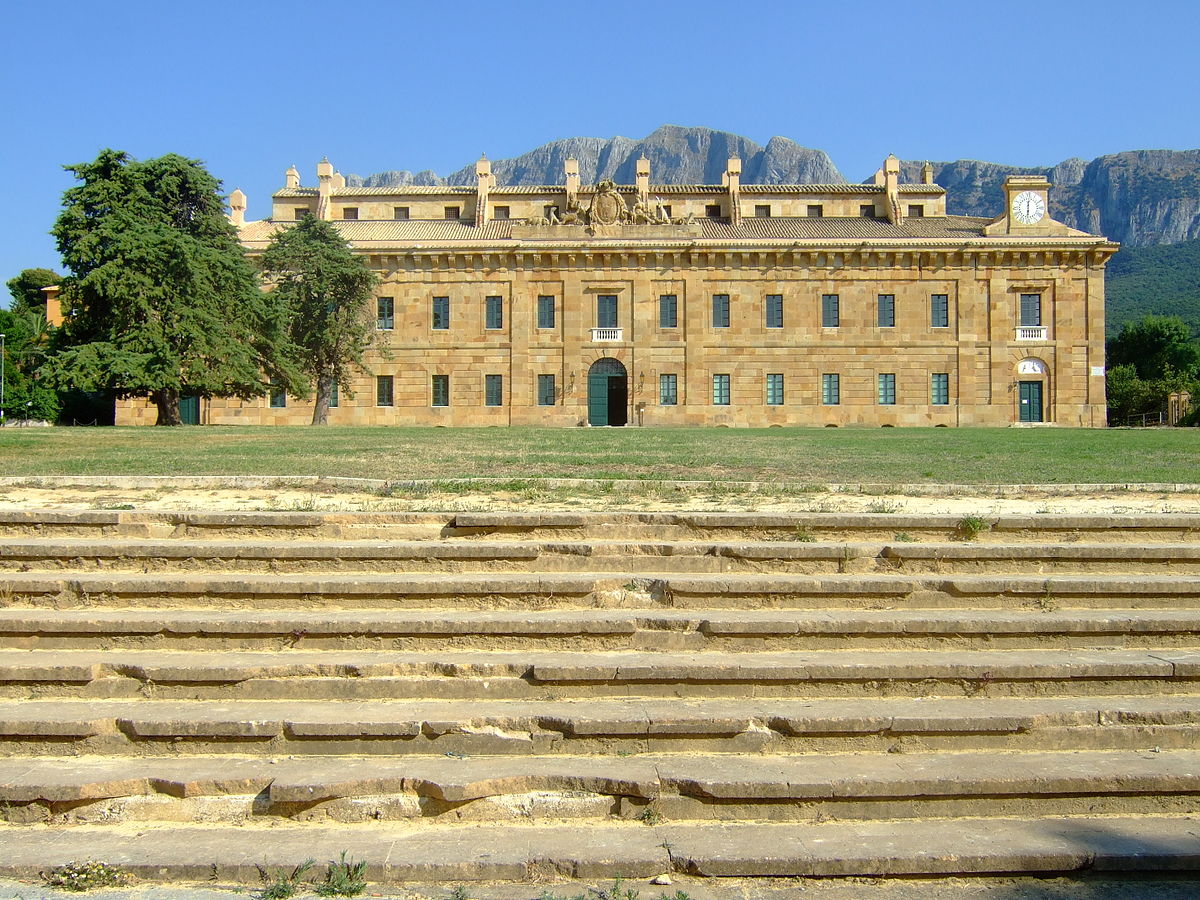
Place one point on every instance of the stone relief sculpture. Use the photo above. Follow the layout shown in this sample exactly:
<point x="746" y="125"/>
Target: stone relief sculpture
<point x="608" y="207"/>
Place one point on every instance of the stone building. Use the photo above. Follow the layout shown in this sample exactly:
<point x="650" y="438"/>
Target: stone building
<point x="729" y="304"/>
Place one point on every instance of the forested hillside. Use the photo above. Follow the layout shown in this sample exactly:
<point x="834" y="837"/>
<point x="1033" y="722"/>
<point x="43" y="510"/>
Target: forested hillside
<point x="1163" y="280"/>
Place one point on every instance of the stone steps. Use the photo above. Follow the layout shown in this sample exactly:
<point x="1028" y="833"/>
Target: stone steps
<point x="682" y="787"/>
<point x="608" y="556"/>
<point x="465" y="696"/>
<point x="276" y="525"/>
<point x="468" y="852"/>
<point x="536" y="590"/>
<point x="374" y="674"/>
<point x="597" y="629"/>
<point x="737" y="725"/>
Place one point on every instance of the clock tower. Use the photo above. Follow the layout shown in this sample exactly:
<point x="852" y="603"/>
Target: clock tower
<point x="1027" y="203"/>
<point x="1027" y="210"/>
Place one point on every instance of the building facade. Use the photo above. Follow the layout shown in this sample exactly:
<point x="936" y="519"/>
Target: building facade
<point x="730" y="304"/>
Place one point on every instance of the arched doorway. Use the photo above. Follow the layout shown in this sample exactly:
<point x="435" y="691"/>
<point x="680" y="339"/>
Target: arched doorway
<point x="608" y="393"/>
<point x="1032" y="376"/>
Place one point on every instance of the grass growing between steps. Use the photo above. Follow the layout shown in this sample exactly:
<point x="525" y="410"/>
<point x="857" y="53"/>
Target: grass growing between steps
<point x="801" y="456"/>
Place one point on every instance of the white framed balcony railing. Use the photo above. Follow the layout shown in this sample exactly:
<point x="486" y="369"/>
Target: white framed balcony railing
<point x="608" y="334"/>
<point x="1032" y="332"/>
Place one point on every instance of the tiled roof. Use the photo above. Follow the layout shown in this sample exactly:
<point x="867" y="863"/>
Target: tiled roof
<point x="295" y="192"/>
<point x="843" y="229"/>
<point x="811" y="189"/>
<point x="423" y="232"/>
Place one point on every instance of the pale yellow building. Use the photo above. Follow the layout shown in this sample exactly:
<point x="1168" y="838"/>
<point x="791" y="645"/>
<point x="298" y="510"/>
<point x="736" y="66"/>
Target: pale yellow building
<point x="729" y="304"/>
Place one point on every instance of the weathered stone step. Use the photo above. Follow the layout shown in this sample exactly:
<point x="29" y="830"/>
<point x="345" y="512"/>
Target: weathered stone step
<point x="601" y="555"/>
<point x="597" y="629"/>
<point x="677" y="787"/>
<point x="471" y="852"/>
<point x="375" y="674"/>
<point x="598" y="725"/>
<point x="537" y="590"/>
<point x="625" y="525"/>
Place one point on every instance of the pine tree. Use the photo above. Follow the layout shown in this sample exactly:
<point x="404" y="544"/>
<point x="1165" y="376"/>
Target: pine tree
<point x="326" y="290"/>
<point x="161" y="299"/>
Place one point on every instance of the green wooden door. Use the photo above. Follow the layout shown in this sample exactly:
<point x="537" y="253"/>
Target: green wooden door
<point x="598" y="399"/>
<point x="189" y="409"/>
<point x="1031" y="401"/>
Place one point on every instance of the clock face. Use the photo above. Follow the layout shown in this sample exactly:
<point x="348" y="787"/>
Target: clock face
<point x="1028" y="207"/>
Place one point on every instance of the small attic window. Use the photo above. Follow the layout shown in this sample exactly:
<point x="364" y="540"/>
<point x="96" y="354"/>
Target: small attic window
<point x="713" y="211"/>
<point x="762" y="211"/>
<point x="350" y="213"/>
<point x="816" y="211"/>
<point x="867" y="210"/>
<point x="301" y="212"/>
<point x="500" y="212"/>
<point x="400" y="213"/>
<point x="916" y="210"/>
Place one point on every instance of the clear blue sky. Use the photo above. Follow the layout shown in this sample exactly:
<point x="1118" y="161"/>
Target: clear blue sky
<point x="251" y="87"/>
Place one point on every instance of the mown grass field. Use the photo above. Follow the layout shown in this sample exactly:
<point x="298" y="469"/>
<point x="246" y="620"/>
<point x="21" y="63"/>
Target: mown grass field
<point x="796" y="455"/>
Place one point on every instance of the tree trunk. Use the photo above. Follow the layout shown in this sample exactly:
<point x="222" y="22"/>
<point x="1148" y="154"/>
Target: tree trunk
<point x="167" y="401"/>
<point x="324" y="395"/>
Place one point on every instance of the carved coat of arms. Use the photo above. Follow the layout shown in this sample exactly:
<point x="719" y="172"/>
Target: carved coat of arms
<point x="608" y="206"/>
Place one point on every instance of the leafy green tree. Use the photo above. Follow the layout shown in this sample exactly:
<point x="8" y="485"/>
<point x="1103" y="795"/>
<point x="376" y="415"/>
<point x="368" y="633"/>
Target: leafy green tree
<point x="1155" y="346"/>
<point x="161" y="299"/>
<point x="26" y="289"/>
<point x="25" y="395"/>
<point x="326" y="290"/>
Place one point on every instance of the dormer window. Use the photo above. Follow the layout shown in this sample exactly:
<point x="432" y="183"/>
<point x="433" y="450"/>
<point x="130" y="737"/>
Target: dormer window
<point x="500" y="212"/>
<point x="350" y="213"/>
<point x="916" y="210"/>
<point x="816" y="211"/>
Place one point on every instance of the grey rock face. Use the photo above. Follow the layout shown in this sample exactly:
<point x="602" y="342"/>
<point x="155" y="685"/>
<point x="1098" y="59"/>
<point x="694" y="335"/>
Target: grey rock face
<point x="677" y="155"/>
<point x="1139" y="197"/>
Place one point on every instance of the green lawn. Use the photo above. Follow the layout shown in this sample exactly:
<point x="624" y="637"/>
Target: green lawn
<point x="799" y="455"/>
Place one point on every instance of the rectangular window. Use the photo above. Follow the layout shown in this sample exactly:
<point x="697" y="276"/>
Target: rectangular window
<point x="831" y="391"/>
<point x="451" y="212"/>
<point x="887" y="389"/>
<point x="775" y="390"/>
<point x="301" y="212"/>
<point x="666" y="208"/>
<point x="441" y="313"/>
<point x="720" y="390"/>
<point x="720" y="310"/>
<point x="400" y="213"/>
<point x="500" y="212"/>
<point x="606" y="311"/>
<point x="668" y="311"/>
<point x="774" y="310"/>
<point x="916" y="211"/>
<point x="550" y="211"/>
<point x="545" y="311"/>
<point x="333" y="396"/>
<point x="385" y="314"/>
<point x="867" y="210"/>
<point x="494" y="313"/>
<point x="712" y="211"/>
<point x="887" y="311"/>
<point x="939" y="388"/>
<point x="1031" y="309"/>
<point x="816" y="211"/>
<point x="278" y="396"/>
<point x="830" y="312"/>
<point x="441" y="390"/>
<point x="762" y="211"/>
<point x="668" y="390"/>
<point x="493" y="390"/>
<point x="939" y="311"/>
<point x="546" y="390"/>
<point x="350" y="213"/>
<point x="383" y="390"/>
